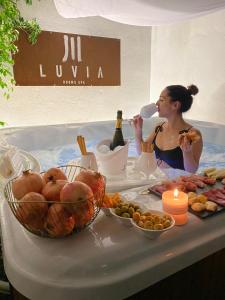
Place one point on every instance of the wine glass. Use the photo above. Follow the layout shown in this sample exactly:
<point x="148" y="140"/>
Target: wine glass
<point x="146" y="112"/>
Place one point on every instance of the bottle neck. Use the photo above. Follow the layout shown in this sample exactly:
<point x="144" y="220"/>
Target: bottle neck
<point x="118" y="123"/>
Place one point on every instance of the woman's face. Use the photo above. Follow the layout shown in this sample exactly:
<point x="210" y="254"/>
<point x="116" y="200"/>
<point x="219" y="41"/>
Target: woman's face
<point x="166" y="107"/>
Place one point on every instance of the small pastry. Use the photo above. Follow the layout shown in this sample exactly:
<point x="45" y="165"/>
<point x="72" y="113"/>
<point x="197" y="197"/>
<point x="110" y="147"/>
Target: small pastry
<point x="192" y="136"/>
<point x="201" y="198"/>
<point x="198" y="206"/>
<point x="211" y="206"/>
<point x="192" y="200"/>
<point x="191" y="195"/>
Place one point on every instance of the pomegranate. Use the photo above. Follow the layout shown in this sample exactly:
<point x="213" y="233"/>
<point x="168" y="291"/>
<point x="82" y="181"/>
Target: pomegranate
<point x="59" y="222"/>
<point x="32" y="210"/>
<point x="84" y="213"/>
<point x="52" y="189"/>
<point x="27" y="182"/>
<point x="76" y="194"/>
<point x="56" y="173"/>
<point x="95" y="181"/>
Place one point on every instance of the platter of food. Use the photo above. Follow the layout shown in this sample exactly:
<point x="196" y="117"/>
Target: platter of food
<point x="206" y="194"/>
<point x="148" y="222"/>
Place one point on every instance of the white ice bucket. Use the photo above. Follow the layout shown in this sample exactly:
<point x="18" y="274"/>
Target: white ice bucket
<point x="112" y="162"/>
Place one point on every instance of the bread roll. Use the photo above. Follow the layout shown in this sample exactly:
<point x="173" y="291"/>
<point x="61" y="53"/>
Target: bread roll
<point x="211" y="206"/>
<point x="201" y="198"/>
<point x="198" y="206"/>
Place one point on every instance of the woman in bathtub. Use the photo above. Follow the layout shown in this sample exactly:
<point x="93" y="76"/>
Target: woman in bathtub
<point x="176" y="143"/>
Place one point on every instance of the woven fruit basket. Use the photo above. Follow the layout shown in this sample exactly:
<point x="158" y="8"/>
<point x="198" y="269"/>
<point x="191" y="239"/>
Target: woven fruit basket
<point x="56" y="203"/>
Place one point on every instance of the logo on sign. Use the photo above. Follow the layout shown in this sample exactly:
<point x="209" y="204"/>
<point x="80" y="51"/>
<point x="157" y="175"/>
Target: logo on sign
<point x="72" y="51"/>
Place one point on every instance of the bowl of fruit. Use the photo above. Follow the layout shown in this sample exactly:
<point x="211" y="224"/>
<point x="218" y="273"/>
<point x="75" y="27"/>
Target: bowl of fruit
<point x="58" y="202"/>
<point x="152" y="223"/>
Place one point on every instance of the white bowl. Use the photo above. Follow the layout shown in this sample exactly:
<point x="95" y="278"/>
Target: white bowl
<point x="123" y="220"/>
<point x="150" y="233"/>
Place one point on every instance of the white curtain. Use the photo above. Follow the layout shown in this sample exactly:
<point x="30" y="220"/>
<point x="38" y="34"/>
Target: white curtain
<point x="138" y="12"/>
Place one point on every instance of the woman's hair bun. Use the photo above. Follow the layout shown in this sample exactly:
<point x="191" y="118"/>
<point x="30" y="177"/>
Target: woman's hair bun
<point x="192" y="89"/>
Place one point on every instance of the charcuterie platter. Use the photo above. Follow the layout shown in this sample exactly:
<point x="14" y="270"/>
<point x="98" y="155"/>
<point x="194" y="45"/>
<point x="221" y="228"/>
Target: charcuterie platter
<point x="206" y="194"/>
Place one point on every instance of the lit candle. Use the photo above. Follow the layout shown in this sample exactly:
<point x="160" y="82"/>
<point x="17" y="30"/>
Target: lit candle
<point x="176" y="204"/>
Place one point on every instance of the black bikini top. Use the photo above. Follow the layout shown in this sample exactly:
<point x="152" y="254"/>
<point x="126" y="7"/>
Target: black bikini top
<point x="173" y="157"/>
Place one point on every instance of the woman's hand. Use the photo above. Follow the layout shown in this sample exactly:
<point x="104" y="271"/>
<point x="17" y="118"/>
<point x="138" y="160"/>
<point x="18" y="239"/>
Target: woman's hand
<point x="191" y="145"/>
<point x="185" y="143"/>
<point x="186" y="140"/>
<point x="138" y="123"/>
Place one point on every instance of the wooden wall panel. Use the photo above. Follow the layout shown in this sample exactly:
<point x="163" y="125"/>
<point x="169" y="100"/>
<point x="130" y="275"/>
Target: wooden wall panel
<point x="67" y="59"/>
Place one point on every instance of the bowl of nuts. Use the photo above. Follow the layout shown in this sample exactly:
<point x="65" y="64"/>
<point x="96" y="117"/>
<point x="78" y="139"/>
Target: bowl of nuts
<point x="152" y="223"/>
<point x="124" y="210"/>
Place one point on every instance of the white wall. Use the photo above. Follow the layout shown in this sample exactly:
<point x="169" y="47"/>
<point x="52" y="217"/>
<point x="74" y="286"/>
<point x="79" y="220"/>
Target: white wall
<point x="184" y="53"/>
<point x="192" y="52"/>
<point x="49" y="105"/>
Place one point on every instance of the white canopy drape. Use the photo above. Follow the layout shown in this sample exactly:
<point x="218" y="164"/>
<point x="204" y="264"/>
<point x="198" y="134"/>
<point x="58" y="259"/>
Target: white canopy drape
<point x="138" y="12"/>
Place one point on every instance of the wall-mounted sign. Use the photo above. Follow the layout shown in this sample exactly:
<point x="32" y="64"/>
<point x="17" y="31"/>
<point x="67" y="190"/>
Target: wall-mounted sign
<point x="67" y="59"/>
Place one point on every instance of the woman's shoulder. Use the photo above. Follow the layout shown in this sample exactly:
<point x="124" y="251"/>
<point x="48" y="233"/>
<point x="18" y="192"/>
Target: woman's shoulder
<point x="192" y="132"/>
<point x="195" y="130"/>
<point x="190" y="127"/>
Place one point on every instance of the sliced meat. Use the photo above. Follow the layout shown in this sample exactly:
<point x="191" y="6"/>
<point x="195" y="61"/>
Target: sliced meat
<point x="159" y="188"/>
<point x="204" y="179"/>
<point x="198" y="177"/>
<point x="199" y="183"/>
<point x="190" y="186"/>
<point x="210" y="181"/>
<point x="175" y="185"/>
<point x="219" y="201"/>
<point x="211" y="192"/>
<point x="194" y="179"/>
<point x="220" y="195"/>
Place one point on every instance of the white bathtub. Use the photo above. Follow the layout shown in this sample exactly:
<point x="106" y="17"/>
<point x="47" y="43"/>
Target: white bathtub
<point x="107" y="260"/>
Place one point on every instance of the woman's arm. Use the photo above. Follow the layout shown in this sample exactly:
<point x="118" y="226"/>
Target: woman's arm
<point x="192" y="152"/>
<point x="138" y="124"/>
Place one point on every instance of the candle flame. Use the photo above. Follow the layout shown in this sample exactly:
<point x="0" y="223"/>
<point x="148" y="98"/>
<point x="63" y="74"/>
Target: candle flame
<point x="175" y="193"/>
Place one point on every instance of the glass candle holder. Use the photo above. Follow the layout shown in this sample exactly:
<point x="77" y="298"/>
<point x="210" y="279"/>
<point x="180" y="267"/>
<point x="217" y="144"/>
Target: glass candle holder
<point x="176" y="203"/>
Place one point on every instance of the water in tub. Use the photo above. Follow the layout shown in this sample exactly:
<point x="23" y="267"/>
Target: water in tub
<point x="213" y="155"/>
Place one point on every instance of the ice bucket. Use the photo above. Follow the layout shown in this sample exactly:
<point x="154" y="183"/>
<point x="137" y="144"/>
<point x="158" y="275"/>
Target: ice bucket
<point x="112" y="162"/>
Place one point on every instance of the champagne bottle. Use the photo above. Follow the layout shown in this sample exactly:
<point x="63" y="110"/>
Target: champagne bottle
<point x="118" y="135"/>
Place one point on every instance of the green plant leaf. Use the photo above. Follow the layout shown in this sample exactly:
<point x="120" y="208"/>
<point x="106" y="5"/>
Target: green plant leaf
<point x="10" y="23"/>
